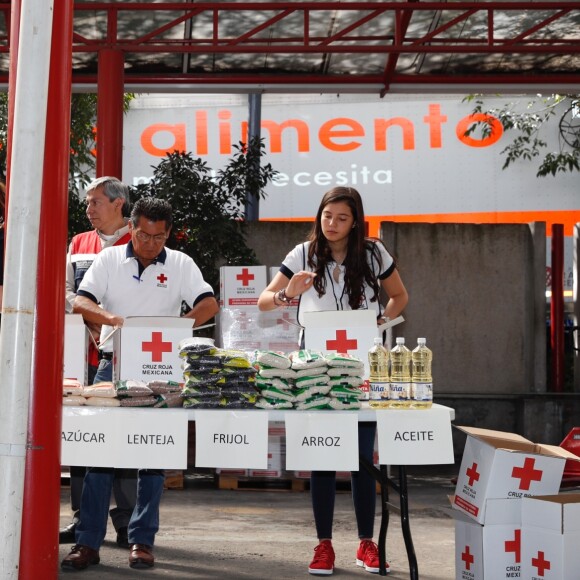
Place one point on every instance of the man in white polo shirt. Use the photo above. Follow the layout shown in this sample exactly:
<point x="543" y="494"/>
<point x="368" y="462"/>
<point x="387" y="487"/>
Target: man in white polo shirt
<point x="142" y="278"/>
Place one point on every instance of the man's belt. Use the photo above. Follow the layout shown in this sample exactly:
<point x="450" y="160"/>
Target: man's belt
<point x="106" y="355"/>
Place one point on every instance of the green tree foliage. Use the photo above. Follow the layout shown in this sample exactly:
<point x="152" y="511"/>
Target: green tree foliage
<point x="209" y="206"/>
<point x="82" y="151"/>
<point x="529" y="123"/>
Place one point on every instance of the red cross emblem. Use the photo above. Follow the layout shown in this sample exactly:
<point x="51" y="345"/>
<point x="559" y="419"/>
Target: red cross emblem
<point x="284" y="321"/>
<point x="527" y="473"/>
<point x="162" y="278"/>
<point x="515" y="546"/>
<point x="245" y="277"/>
<point x="472" y="474"/>
<point x="541" y="563"/>
<point x="342" y="343"/>
<point x="468" y="558"/>
<point x="156" y="347"/>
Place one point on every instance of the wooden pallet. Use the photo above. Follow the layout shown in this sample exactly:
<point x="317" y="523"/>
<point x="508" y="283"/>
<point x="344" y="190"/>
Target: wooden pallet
<point x="173" y="479"/>
<point x="225" y="481"/>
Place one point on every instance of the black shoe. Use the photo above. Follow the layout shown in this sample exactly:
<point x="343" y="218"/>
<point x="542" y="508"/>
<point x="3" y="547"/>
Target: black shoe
<point x="123" y="538"/>
<point x="67" y="535"/>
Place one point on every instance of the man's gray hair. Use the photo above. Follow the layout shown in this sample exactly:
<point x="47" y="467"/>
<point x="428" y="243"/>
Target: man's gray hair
<point x="113" y="189"/>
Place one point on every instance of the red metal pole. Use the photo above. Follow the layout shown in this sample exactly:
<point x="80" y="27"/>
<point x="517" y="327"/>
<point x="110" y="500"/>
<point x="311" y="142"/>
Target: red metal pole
<point x="110" y="93"/>
<point x="41" y="511"/>
<point x="557" y="309"/>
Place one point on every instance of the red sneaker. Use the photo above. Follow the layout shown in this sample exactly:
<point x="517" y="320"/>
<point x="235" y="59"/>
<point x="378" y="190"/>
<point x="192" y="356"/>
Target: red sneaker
<point x="323" y="561"/>
<point x="367" y="556"/>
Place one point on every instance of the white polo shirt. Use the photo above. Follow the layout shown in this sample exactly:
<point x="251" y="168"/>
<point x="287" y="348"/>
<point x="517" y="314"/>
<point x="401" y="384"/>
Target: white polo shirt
<point x="114" y="280"/>
<point x="335" y="297"/>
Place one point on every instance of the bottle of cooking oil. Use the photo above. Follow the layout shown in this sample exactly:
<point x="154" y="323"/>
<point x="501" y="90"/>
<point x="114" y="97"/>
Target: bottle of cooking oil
<point x="400" y="385"/>
<point x="379" y="375"/>
<point x="422" y="380"/>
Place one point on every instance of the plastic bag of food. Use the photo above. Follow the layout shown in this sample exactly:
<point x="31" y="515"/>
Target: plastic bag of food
<point x="102" y="402"/>
<point x="310" y="391"/>
<point x="349" y="381"/>
<point x="273" y="359"/>
<point x="144" y="401"/>
<point x="344" y="360"/>
<point x="104" y="389"/>
<point x="131" y="388"/>
<point x="344" y="404"/>
<point x="267" y="403"/>
<point x="313" y="404"/>
<point x="303" y="382"/>
<point x="72" y="387"/>
<point x="344" y="371"/>
<point x="273" y="393"/>
<point x="164" y="387"/>
<point x="169" y="400"/>
<point x="73" y="400"/>
<point x="307" y="359"/>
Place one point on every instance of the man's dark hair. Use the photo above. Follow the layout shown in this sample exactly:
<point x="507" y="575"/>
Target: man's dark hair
<point x="152" y="209"/>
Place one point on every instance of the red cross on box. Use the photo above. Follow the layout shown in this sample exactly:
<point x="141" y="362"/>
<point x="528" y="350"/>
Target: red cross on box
<point x="468" y="558"/>
<point x="472" y="474"/>
<point x="515" y="546"/>
<point x="156" y="347"/>
<point x="341" y="344"/>
<point x="527" y="473"/>
<point x="541" y="563"/>
<point x="284" y="321"/>
<point x="245" y="276"/>
<point x="162" y="278"/>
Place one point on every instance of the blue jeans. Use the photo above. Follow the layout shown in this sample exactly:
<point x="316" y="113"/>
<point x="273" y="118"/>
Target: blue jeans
<point x="96" y="496"/>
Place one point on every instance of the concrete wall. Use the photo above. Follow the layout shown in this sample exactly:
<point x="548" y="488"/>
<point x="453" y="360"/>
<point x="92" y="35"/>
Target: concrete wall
<point x="477" y="293"/>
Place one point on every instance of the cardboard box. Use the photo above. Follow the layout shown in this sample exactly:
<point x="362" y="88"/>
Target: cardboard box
<point x="75" y="348"/>
<point x="551" y="537"/>
<point x="497" y="464"/>
<point x="145" y="348"/>
<point x="241" y="286"/>
<point x="491" y="551"/>
<point x="276" y="452"/>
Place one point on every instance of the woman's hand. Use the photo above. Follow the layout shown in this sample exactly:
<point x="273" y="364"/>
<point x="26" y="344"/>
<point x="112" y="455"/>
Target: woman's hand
<point x="300" y="283"/>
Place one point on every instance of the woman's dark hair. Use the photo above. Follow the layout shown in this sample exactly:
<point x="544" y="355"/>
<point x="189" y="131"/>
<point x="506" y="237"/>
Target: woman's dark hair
<point x="152" y="209"/>
<point x="357" y="267"/>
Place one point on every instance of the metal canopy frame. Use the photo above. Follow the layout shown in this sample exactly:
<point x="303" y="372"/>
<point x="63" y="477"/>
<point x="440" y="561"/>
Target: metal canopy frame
<point x="397" y="46"/>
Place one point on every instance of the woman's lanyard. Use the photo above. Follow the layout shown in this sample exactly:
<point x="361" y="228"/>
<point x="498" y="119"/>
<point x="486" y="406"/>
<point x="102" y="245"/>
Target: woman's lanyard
<point x="338" y="301"/>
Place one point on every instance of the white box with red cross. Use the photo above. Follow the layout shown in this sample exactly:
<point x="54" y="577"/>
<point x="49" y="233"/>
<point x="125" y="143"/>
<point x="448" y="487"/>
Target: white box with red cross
<point x="492" y="551"/>
<point x="145" y="348"/>
<point x="497" y="464"/>
<point x="75" y="348"/>
<point x="241" y="286"/>
<point x="551" y="537"/>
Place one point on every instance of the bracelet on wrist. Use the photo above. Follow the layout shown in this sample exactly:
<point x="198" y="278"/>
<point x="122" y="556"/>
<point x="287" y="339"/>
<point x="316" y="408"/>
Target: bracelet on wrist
<point x="283" y="297"/>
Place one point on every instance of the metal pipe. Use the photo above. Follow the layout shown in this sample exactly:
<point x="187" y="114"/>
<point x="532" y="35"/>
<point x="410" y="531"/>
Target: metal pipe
<point x="254" y="132"/>
<point x="557" y="310"/>
<point x="20" y="274"/>
<point x="110" y="114"/>
<point x="41" y="513"/>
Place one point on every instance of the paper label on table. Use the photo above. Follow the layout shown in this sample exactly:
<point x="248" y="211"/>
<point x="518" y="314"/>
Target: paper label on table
<point x="231" y="439"/>
<point x="414" y="437"/>
<point x="138" y="439"/>
<point x="325" y="441"/>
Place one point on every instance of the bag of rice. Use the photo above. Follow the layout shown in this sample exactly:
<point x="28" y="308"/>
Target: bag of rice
<point x="344" y="404"/>
<point x="271" y="373"/>
<point x="307" y="359"/>
<point x="313" y="404"/>
<point x="264" y="403"/>
<point x="273" y="359"/>
<point x="342" y="391"/>
<point x="350" y="381"/>
<point x="311" y="391"/>
<point x="273" y="393"/>
<point x="277" y="383"/>
<point x="344" y="360"/>
<point x="344" y="371"/>
<point x="311" y="380"/>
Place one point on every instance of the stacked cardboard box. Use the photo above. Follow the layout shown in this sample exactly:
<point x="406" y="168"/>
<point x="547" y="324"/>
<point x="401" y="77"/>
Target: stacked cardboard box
<point x="499" y="471"/>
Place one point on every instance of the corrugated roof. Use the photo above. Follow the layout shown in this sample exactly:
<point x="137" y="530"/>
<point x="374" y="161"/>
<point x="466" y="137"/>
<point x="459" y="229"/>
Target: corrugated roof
<point x="319" y="46"/>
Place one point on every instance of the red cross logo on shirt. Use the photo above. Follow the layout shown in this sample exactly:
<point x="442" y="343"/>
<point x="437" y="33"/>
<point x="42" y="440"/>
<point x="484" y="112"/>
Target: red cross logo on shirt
<point x="468" y="558"/>
<point x="342" y="343"/>
<point x="527" y="473"/>
<point x="245" y="277"/>
<point x="162" y="278"/>
<point x="515" y="546"/>
<point x="472" y="474"/>
<point x="156" y="347"/>
<point x="541" y="563"/>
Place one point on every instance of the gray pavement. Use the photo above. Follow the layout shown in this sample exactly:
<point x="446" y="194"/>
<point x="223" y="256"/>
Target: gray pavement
<point x="211" y="533"/>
